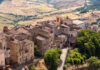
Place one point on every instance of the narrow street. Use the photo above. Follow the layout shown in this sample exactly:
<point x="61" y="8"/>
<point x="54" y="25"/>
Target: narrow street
<point x="63" y="58"/>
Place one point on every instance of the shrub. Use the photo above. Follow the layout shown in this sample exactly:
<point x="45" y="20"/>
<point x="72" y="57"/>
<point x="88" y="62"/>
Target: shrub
<point x="36" y="52"/>
<point x="74" y="57"/>
<point x="32" y="68"/>
<point x="51" y="58"/>
<point x="93" y="63"/>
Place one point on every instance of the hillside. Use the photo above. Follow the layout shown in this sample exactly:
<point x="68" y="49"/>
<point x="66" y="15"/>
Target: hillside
<point x="27" y="11"/>
<point x="90" y="5"/>
<point x="25" y="7"/>
<point x="94" y="4"/>
<point x="36" y="7"/>
<point x="66" y="3"/>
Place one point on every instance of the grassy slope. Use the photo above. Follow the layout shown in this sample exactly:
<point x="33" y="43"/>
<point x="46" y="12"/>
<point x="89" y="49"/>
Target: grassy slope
<point x="38" y="9"/>
<point x="23" y="7"/>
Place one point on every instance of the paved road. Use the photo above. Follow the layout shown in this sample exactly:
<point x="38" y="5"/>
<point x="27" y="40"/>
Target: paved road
<point x="63" y="58"/>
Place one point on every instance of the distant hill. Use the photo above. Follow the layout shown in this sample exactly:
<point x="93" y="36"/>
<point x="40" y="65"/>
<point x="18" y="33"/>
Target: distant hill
<point x="36" y="7"/>
<point x="64" y="3"/>
<point x="25" y="7"/>
<point x="91" y="5"/>
<point x="19" y="11"/>
<point x="94" y="4"/>
<point x="58" y="3"/>
<point x="67" y="3"/>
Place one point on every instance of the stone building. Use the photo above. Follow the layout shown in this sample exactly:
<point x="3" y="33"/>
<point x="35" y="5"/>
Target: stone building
<point x="43" y="39"/>
<point x="21" y="51"/>
<point x="22" y="32"/>
<point x="43" y="43"/>
<point x="5" y="29"/>
<point x="60" y="41"/>
<point x="79" y="24"/>
<point x="53" y="34"/>
<point x="72" y="35"/>
<point x="95" y="27"/>
<point x="63" y="29"/>
<point x="46" y="35"/>
<point x="67" y="21"/>
<point x="18" y="45"/>
<point x="3" y="46"/>
<point x="2" y="58"/>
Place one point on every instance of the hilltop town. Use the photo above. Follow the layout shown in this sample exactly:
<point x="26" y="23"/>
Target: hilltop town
<point x="17" y="44"/>
<point x="49" y="35"/>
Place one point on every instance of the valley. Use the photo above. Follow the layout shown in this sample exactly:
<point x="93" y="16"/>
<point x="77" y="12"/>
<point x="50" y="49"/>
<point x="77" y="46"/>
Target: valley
<point x="49" y="34"/>
<point x="25" y="12"/>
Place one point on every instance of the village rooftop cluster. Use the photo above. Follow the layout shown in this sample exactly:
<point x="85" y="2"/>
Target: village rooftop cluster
<point x="17" y="44"/>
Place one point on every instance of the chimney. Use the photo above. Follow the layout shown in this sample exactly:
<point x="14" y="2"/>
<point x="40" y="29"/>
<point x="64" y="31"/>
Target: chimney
<point x="5" y="29"/>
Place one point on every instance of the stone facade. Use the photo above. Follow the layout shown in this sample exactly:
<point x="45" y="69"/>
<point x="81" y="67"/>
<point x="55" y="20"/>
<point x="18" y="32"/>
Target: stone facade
<point x="48" y="34"/>
<point x="43" y="38"/>
<point x="43" y="43"/>
<point x="18" y="46"/>
<point x="21" y="51"/>
<point x="54" y="34"/>
<point x="2" y="58"/>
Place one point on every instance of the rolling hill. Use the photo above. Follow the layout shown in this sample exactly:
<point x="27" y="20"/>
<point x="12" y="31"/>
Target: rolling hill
<point x="16" y="11"/>
<point x="36" y="7"/>
<point x="25" y="7"/>
<point x="64" y="3"/>
<point x="91" y="5"/>
<point x="94" y="4"/>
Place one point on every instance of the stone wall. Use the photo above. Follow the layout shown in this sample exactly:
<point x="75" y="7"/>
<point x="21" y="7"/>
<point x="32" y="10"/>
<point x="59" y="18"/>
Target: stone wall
<point x="21" y="51"/>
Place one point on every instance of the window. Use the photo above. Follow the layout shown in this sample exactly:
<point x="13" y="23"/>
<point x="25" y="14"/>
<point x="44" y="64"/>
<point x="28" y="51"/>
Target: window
<point x="26" y="51"/>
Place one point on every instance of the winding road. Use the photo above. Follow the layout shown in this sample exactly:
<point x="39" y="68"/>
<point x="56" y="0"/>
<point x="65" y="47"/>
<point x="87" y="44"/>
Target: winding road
<point x="63" y="58"/>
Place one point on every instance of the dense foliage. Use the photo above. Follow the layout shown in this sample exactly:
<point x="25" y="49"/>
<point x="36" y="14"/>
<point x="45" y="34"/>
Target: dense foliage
<point x="36" y="52"/>
<point x="74" y="57"/>
<point x="88" y="43"/>
<point x="93" y="63"/>
<point x="32" y="68"/>
<point x="52" y="58"/>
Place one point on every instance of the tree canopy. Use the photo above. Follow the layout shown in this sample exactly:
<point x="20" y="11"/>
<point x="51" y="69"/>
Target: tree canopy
<point x="74" y="57"/>
<point x="36" y="52"/>
<point x="93" y="63"/>
<point x="88" y="42"/>
<point x="32" y="68"/>
<point x="52" y="58"/>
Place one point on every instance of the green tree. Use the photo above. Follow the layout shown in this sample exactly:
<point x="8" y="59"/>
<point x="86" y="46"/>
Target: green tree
<point x="93" y="63"/>
<point x="36" y="52"/>
<point x="52" y="59"/>
<point x="92" y="59"/>
<point x="58" y="50"/>
<point x="74" y="57"/>
<point x="88" y="42"/>
<point x="32" y="68"/>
